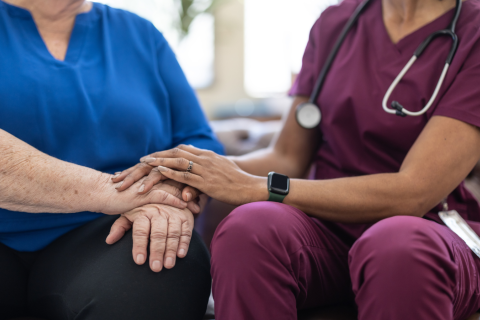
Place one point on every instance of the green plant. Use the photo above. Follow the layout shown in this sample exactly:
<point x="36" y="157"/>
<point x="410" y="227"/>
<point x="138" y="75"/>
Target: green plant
<point x="190" y="9"/>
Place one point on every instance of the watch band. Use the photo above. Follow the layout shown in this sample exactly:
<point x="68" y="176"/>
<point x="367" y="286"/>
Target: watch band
<point x="276" y="197"/>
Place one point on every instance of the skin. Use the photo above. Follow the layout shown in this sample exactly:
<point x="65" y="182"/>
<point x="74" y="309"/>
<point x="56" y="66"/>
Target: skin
<point x="31" y="181"/>
<point x="424" y="179"/>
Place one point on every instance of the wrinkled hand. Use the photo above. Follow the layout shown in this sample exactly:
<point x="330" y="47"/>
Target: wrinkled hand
<point x="212" y="174"/>
<point x="120" y="202"/>
<point x="167" y="229"/>
<point x="150" y="176"/>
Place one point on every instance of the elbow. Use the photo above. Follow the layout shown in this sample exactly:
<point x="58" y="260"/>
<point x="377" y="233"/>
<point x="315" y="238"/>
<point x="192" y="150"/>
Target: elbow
<point x="416" y="206"/>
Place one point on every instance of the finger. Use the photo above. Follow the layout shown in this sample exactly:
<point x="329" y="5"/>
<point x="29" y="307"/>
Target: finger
<point x="164" y="197"/>
<point x="119" y="176"/>
<point x="185" y="238"/>
<point x="172" y="153"/>
<point x="193" y="207"/>
<point x="118" y="229"/>
<point x="140" y="235"/>
<point x="173" y="240"/>
<point x="180" y="164"/>
<point x="141" y="170"/>
<point x="193" y="150"/>
<point x="189" y="193"/>
<point x="203" y="202"/>
<point x="152" y="179"/>
<point x="183" y="177"/>
<point x="158" y="240"/>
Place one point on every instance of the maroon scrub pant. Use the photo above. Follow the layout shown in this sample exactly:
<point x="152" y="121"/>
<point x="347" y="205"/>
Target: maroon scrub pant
<point x="270" y="259"/>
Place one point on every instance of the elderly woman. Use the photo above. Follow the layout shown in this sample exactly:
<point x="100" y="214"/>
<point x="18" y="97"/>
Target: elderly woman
<point x="366" y="227"/>
<point x="85" y="91"/>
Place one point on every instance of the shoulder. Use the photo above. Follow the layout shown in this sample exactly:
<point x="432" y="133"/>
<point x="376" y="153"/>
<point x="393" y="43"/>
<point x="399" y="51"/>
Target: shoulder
<point x="338" y="14"/>
<point x="332" y="20"/>
<point x="126" y="23"/>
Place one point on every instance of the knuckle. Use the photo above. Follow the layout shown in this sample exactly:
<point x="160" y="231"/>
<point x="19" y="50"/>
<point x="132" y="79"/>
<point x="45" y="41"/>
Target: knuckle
<point x="164" y="196"/>
<point x="187" y="176"/>
<point x="180" y="162"/>
<point x="174" y="233"/>
<point x="182" y="146"/>
<point x="158" y="235"/>
<point x="175" y="151"/>
<point x="140" y="233"/>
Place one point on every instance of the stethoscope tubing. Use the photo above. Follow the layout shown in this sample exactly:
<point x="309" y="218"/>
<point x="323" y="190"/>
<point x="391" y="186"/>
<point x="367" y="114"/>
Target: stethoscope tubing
<point x="397" y="108"/>
<point x="336" y="47"/>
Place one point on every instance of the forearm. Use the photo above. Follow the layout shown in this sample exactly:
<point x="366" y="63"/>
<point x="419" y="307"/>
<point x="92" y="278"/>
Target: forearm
<point x="358" y="199"/>
<point x="31" y="181"/>
<point x="261" y="162"/>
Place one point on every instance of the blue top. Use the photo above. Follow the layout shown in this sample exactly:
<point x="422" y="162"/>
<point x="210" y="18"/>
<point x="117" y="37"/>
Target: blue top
<point x="119" y="95"/>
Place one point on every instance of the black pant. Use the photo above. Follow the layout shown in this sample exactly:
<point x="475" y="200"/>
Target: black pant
<point x="80" y="277"/>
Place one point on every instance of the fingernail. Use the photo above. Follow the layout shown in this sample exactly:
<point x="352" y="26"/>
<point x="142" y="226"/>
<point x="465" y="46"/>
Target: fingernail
<point x="181" y="252"/>
<point x="116" y="176"/>
<point x="156" y="266"/>
<point x="142" y="188"/>
<point x="140" y="259"/>
<point x="162" y="169"/>
<point x="189" y="196"/>
<point x="119" y="185"/>
<point x="169" y="262"/>
<point x="148" y="160"/>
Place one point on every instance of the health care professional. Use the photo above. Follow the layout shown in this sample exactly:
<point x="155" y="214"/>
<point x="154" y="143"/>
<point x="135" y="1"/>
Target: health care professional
<point x="366" y="226"/>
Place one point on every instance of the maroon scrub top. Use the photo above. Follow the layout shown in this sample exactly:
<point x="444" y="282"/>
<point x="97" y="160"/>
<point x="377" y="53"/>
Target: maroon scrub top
<point x="360" y="138"/>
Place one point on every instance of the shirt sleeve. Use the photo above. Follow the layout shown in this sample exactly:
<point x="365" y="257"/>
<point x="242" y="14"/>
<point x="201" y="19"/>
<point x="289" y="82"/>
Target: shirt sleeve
<point x="461" y="101"/>
<point x="189" y="124"/>
<point x="305" y="81"/>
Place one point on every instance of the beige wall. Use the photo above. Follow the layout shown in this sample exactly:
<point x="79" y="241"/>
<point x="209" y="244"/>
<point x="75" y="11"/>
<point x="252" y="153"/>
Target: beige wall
<point x="228" y="85"/>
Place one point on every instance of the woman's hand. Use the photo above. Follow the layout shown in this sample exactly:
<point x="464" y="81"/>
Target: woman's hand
<point x="131" y="176"/>
<point x="167" y="229"/>
<point x="212" y="174"/>
<point x="117" y="203"/>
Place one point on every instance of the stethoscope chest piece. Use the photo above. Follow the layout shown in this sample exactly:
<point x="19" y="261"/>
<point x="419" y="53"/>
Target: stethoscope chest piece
<point x="308" y="115"/>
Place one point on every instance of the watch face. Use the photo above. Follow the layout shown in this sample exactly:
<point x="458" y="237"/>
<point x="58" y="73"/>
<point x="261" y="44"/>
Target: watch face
<point x="279" y="183"/>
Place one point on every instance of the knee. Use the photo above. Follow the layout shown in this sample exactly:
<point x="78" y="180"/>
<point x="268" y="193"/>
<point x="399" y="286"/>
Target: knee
<point x="251" y="228"/>
<point x="397" y="243"/>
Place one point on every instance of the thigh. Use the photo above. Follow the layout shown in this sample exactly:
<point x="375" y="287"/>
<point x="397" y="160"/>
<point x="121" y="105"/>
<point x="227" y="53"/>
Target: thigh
<point x="80" y="277"/>
<point x="280" y="257"/>
<point x="13" y="284"/>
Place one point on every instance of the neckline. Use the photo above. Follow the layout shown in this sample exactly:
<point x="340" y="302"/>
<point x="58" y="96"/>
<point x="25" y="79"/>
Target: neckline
<point x="441" y="22"/>
<point x="22" y="13"/>
<point x="77" y="38"/>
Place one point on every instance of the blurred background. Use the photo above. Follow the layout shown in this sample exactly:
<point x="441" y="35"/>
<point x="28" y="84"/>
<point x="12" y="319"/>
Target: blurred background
<point x="241" y="56"/>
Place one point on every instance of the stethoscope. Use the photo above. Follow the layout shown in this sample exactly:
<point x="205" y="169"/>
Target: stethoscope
<point x="308" y="114"/>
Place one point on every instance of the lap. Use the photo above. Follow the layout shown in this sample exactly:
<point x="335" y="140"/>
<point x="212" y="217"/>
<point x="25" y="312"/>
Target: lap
<point x="13" y="284"/>
<point x="80" y="276"/>
<point x="267" y="233"/>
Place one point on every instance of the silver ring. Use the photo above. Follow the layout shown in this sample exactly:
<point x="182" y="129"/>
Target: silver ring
<point x="190" y="166"/>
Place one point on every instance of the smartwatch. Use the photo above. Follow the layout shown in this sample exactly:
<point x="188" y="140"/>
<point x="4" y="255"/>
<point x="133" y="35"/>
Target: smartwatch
<point x="278" y="186"/>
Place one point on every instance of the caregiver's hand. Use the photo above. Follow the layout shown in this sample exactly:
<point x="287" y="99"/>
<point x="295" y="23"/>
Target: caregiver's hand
<point x="212" y="174"/>
<point x="167" y="229"/>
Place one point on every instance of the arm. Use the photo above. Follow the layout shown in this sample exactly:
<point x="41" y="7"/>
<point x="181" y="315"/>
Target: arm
<point x="31" y="181"/>
<point x="290" y="153"/>
<point x="443" y="155"/>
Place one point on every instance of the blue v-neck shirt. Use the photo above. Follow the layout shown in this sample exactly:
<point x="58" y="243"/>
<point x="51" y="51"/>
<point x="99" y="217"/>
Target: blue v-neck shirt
<point x="119" y="95"/>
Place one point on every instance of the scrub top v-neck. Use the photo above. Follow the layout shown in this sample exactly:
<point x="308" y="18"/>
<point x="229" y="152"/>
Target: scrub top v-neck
<point x="360" y="138"/>
<point x="120" y="94"/>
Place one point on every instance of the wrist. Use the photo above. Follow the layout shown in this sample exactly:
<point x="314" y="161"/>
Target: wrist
<point x="259" y="189"/>
<point x="102" y="193"/>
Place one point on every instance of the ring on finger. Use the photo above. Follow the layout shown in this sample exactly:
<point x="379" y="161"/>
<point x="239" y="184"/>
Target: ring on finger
<point x="190" y="166"/>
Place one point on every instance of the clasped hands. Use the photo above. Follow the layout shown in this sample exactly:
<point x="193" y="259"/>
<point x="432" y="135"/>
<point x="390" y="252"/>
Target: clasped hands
<point x="168" y="226"/>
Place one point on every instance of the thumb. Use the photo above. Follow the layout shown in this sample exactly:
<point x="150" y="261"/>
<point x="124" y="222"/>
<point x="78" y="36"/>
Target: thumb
<point x="119" y="227"/>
